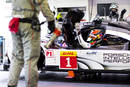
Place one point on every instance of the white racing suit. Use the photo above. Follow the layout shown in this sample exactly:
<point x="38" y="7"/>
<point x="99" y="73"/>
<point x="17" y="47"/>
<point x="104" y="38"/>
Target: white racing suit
<point x="26" y="42"/>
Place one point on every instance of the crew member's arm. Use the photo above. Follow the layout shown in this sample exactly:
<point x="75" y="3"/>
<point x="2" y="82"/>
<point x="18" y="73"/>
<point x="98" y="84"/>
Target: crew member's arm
<point x="46" y="11"/>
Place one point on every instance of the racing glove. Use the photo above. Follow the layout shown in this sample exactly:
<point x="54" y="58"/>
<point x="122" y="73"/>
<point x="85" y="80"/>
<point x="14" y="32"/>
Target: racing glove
<point x="51" y="26"/>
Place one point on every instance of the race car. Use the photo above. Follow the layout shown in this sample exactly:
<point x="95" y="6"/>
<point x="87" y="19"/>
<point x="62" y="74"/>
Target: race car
<point x="112" y="55"/>
<point x="90" y="49"/>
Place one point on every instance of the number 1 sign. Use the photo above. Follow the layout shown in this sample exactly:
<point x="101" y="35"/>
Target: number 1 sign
<point x="68" y="60"/>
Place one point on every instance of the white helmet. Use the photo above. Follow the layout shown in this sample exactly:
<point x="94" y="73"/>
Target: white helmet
<point x="114" y="6"/>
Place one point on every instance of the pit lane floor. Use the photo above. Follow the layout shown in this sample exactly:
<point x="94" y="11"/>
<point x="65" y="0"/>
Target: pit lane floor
<point x="56" y="79"/>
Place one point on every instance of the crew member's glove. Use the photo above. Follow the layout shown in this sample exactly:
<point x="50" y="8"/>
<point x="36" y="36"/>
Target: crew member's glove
<point x="51" y="26"/>
<point x="123" y="11"/>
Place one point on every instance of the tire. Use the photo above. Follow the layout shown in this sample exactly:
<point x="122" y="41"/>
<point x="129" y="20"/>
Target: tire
<point x="5" y="67"/>
<point x="41" y="61"/>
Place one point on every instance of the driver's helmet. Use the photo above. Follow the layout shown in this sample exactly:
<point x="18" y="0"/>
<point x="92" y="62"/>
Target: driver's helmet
<point x="114" y="6"/>
<point x="95" y="37"/>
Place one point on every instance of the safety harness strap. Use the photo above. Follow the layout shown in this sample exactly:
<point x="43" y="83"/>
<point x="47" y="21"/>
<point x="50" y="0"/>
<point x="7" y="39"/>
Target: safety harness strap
<point x="26" y="20"/>
<point x="38" y="3"/>
<point x="33" y="8"/>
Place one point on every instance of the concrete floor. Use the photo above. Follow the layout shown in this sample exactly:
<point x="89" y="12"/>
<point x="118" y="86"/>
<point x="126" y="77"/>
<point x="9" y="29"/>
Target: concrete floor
<point x="56" y="79"/>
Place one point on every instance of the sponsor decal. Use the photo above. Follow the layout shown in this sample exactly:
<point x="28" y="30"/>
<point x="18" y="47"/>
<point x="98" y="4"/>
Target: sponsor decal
<point x="91" y="53"/>
<point x="68" y="53"/>
<point x="68" y="60"/>
<point x="49" y="53"/>
<point x="116" y="57"/>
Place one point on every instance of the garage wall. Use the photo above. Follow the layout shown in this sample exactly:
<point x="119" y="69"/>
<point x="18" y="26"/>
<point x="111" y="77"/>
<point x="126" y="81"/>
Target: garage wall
<point x="122" y="4"/>
<point x="69" y="3"/>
